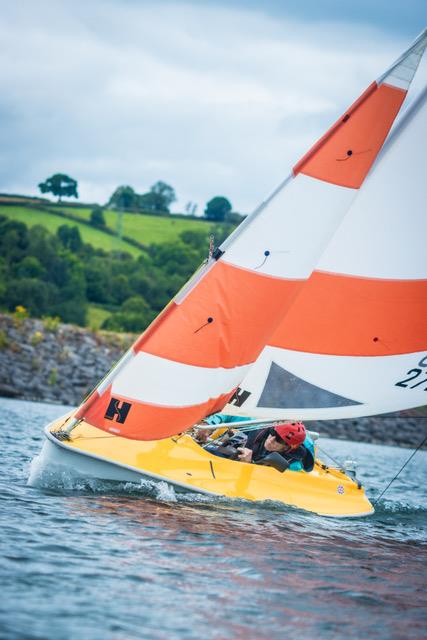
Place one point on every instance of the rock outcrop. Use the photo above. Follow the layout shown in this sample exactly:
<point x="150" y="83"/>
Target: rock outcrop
<point x="41" y="360"/>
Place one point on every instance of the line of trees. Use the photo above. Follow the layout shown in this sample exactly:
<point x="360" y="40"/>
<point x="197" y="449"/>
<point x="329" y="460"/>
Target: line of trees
<point x="157" y="200"/>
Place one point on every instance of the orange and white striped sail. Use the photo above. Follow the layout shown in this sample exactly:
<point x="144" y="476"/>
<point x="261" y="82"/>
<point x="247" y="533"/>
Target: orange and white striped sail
<point x="355" y="341"/>
<point x="193" y="357"/>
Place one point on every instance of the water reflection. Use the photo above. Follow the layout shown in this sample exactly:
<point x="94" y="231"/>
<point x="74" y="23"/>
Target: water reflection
<point x="246" y="567"/>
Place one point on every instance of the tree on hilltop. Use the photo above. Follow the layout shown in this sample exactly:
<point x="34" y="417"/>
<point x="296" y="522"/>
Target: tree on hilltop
<point x="124" y="197"/>
<point x="218" y="208"/>
<point x="152" y="202"/>
<point x="165" y="191"/>
<point x="159" y="198"/>
<point x="60" y="185"/>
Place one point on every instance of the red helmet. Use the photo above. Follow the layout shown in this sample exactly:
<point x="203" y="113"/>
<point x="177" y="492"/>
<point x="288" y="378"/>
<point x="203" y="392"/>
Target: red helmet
<point x="293" y="433"/>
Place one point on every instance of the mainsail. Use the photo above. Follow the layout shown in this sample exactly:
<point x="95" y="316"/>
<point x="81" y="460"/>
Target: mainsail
<point x="190" y="361"/>
<point x="354" y="342"/>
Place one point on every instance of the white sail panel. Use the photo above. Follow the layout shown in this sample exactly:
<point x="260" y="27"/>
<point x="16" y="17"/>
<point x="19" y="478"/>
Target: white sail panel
<point x="172" y="383"/>
<point x="292" y="384"/>
<point x="303" y="216"/>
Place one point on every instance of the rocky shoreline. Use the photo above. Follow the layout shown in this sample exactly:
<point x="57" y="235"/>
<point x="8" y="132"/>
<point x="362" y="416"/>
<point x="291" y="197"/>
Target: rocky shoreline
<point x="44" y="361"/>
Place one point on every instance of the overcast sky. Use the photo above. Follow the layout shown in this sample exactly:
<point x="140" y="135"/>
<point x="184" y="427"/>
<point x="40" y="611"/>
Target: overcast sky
<point x="215" y="98"/>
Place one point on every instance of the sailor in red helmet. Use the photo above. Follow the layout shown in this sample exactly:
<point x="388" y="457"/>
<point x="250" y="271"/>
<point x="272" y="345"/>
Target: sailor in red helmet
<point x="284" y="445"/>
<point x="288" y="440"/>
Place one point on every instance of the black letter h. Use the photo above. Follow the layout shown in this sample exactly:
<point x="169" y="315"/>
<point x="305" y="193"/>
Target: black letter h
<point x="117" y="409"/>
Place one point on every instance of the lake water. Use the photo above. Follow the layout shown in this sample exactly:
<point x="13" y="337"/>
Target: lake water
<point x="122" y="562"/>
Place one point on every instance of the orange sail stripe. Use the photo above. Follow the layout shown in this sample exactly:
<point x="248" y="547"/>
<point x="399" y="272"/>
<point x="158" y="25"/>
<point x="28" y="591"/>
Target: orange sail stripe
<point x="150" y="422"/>
<point x="342" y="315"/>
<point x="144" y="337"/>
<point x="344" y="155"/>
<point x="225" y="321"/>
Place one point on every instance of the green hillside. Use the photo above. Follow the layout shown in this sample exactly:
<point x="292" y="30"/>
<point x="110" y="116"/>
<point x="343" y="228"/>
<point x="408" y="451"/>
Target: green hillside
<point x="97" y="238"/>
<point x="144" y="228"/>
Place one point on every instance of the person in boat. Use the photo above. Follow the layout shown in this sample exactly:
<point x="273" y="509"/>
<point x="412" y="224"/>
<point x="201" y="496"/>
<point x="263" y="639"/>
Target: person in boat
<point x="284" y="446"/>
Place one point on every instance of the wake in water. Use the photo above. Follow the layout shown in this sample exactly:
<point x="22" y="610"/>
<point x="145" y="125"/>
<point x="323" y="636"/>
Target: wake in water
<point x="399" y="508"/>
<point x="57" y="479"/>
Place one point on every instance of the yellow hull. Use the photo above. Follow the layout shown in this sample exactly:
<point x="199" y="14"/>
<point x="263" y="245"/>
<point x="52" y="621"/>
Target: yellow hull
<point x="184" y="464"/>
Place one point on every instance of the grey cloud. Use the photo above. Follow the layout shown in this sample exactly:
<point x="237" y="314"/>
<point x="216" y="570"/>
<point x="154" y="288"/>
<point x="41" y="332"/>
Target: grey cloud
<point x="212" y="99"/>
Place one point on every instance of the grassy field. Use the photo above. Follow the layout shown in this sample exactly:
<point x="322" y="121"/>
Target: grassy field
<point x="144" y="228"/>
<point x="78" y="212"/>
<point x="96" y="238"/>
<point x="96" y="316"/>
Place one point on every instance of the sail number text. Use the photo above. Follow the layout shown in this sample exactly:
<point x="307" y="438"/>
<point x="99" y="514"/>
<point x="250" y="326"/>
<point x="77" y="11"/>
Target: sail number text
<point x="414" y="374"/>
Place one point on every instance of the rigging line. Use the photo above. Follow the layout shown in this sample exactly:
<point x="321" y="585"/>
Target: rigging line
<point x="329" y="456"/>
<point x="254" y="427"/>
<point x="400" y="470"/>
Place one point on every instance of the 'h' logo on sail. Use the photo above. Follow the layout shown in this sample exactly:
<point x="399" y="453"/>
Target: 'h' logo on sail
<point x="119" y="409"/>
<point x="239" y="397"/>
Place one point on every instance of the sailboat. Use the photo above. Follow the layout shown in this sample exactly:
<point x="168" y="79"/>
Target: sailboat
<point x="284" y="320"/>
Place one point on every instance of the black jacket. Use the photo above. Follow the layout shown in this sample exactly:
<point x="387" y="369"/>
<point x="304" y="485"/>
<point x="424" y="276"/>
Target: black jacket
<point x="256" y="441"/>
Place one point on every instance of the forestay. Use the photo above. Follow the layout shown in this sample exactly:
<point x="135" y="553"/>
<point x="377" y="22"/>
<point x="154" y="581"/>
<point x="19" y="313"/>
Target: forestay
<point x="192" y="358"/>
<point x="355" y="341"/>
